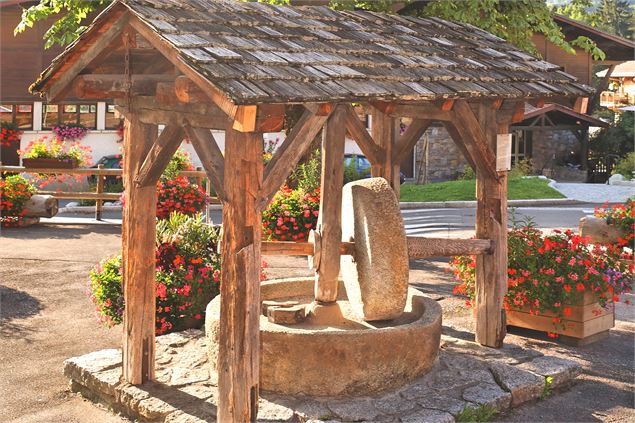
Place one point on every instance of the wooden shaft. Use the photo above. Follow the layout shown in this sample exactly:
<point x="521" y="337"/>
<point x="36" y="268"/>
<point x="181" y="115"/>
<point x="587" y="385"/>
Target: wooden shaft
<point x="420" y="247"/>
<point x="291" y="248"/>
<point x="157" y="159"/>
<point x="100" y="189"/>
<point x="239" y="348"/>
<point x="491" y="223"/>
<point x="138" y="251"/>
<point x="329" y="219"/>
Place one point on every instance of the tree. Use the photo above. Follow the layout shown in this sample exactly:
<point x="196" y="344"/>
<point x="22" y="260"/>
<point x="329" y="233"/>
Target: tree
<point x="515" y="21"/>
<point x="613" y="16"/>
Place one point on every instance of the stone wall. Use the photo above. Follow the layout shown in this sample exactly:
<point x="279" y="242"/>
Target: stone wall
<point x="551" y="148"/>
<point x="444" y="160"/>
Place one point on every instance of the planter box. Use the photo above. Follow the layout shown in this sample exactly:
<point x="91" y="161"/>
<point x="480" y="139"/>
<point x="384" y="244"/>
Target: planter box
<point x="588" y="320"/>
<point x="42" y="163"/>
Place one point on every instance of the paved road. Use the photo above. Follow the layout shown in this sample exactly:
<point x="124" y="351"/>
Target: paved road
<point x="423" y="221"/>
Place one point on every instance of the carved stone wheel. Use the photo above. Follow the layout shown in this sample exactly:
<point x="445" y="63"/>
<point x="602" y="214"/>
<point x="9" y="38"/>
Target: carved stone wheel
<point x="376" y="277"/>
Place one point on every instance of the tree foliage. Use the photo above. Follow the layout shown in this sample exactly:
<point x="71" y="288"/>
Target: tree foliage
<point x="515" y="21"/>
<point x="613" y="16"/>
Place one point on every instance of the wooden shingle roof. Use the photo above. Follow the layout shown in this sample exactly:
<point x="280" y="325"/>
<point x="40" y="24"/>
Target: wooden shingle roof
<point x="259" y="53"/>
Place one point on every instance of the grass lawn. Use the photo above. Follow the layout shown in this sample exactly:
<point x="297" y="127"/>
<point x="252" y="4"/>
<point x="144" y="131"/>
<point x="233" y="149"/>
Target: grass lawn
<point x="518" y="189"/>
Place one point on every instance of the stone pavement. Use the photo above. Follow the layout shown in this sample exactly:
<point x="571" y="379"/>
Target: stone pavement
<point x="595" y="193"/>
<point x="466" y="375"/>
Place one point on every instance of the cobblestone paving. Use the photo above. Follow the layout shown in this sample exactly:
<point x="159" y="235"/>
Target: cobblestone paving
<point x="466" y="375"/>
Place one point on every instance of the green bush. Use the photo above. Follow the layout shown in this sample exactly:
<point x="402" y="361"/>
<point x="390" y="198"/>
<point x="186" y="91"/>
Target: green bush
<point x="351" y="173"/>
<point x="522" y="168"/>
<point x="306" y="176"/>
<point x="626" y="166"/>
<point x="468" y="174"/>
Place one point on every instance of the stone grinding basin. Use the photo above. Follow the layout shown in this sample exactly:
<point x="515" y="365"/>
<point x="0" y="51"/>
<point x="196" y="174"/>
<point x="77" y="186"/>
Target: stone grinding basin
<point x="354" y="358"/>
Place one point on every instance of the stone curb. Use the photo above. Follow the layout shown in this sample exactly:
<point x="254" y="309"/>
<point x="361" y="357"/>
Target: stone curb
<point x="467" y="375"/>
<point x="472" y="204"/>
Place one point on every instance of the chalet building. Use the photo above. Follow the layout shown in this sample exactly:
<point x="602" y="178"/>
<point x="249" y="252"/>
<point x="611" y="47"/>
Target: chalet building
<point x="621" y="87"/>
<point x="549" y="134"/>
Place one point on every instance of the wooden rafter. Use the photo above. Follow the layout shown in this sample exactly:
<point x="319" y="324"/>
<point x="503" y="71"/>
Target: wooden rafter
<point x="114" y="86"/>
<point x="470" y="134"/>
<point x="409" y="139"/>
<point x="63" y="84"/>
<point x="426" y="111"/>
<point x="358" y="132"/>
<point x="290" y="152"/>
<point x="216" y="95"/>
<point x="210" y="155"/>
<point x="159" y="155"/>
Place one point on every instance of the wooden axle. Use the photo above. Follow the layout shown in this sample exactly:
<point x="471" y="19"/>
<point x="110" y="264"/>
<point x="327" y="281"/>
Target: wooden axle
<point x="418" y="247"/>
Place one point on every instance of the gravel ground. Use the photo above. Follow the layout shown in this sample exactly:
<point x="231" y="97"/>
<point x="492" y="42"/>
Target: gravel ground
<point x="45" y="317"/>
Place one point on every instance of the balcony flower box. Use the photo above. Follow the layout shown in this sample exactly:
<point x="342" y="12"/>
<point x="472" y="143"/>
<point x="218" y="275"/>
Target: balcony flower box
<point x="49" y="163"/>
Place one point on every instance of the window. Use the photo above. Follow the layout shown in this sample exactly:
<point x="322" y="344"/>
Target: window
<point x="19" y="114"/>
<point x="521" y="145"/>
<point x="57" y="114"/>
<point x="113" y="119"/>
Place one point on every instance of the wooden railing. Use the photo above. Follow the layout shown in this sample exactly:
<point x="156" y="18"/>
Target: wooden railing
<point x="99" y="196"/>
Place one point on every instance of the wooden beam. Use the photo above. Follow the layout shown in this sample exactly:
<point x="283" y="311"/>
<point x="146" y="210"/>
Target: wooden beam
<point x="384" y="132"/>
<point x="114" y="86"/>
<point x="245" y="118"/>
<point x="138" y="251"/>
<point x="467" y="127"/>
<point x="581" y="104"/>
<point x="85" y="55"/>
<point x="387" y="107"/>
<point x="456" y="137"/>
<point x="172" y="54"/>
<point x="359" y="133"/>
<point x="491" y="224"/>
<point x="166" y="117"/>
<point x="426" y="111"/>
<point x="291" y="248"/>
<point x="187" y="91"/>
<point x="601" y="87"/>
<point x="289" y="153"/>
<point x="409" y="139"/>
<point x="329" y="223"/>
<point x="159" y="155"/>
<point x="239" y="345"/>
<point x="447" y="105"/>
<point x="210" y="155"/>
<point x="519" y="112"/>
<point x="421" y="247"/>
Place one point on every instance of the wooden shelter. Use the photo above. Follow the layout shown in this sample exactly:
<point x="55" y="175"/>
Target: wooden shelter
<point x="195" y="65"/>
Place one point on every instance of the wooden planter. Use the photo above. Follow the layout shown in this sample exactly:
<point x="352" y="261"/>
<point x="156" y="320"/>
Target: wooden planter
<point x="587" y="323"/>
<point x="42" y="163"/>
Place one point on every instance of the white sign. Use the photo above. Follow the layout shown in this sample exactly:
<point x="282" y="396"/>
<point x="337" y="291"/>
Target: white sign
<point x="503" y="152"/>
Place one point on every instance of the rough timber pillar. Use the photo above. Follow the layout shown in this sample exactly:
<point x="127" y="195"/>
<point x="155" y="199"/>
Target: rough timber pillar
<point x="329" y="223"/>
<point x="491" y="223"/>
<point x="138" y="249"/>
<point x="384" y="131"/>
<point x="239" y="349"/>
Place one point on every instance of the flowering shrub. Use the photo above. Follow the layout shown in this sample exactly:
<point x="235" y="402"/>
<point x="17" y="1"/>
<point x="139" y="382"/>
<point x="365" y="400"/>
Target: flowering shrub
<point x="15" y="191"/>
<point x="57" y="149"/>
<point x="187" y="276"/>
<point x="621" y="216"/>
<point x="291" y="215"/>
<point x="180" y="161"/>
<point x="551" y="272"/>
<point x="69" y="132"/>
<point x="9" y="134"/>
<point x="179" y="195"/>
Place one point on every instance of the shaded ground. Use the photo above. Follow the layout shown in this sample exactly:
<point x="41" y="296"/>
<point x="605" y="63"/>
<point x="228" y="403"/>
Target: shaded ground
<point x="45" y="317"/>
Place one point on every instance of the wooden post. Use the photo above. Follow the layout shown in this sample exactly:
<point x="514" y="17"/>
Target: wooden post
<point x="100" y="189"/>
<point x="138" y="242"/>
<point x="239" y="349"/>
<point x="491" y="223"/>
<point x="384" y="132"/>
<point x="329" y="223"/>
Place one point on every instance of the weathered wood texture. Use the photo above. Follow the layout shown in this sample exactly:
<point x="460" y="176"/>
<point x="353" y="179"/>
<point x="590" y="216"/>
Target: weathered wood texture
<point x="41" y="206"/>
<point x="491" y="223"/>
<point x="239" y="349"/>
<point x="138" y="251"/>
<point x="329" y="221"/>
<point x="420" y="247"/>
<point x="385" y="131"/>
<point x="114" y="86"/>
<point x="290" y="152"/>
<point x="291" y="248"/>
<point x="99" y="189"/>
<point x="159" y="155"/>
<point x="211" y="157"/>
